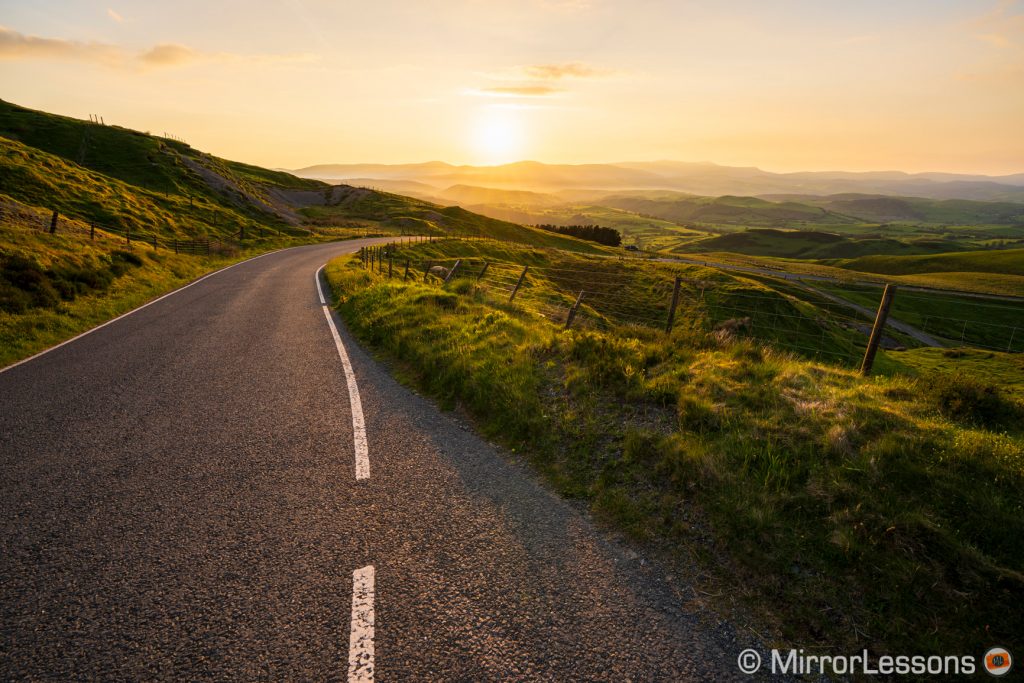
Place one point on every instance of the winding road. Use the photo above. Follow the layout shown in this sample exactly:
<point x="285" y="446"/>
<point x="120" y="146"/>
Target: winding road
<point x="181" y="499"/>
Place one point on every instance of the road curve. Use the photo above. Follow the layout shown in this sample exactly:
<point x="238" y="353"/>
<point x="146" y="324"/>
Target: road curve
<point x="178" y="501"/>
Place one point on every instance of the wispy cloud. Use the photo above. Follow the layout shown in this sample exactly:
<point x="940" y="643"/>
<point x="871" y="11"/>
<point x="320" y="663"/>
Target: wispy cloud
<point x="114" y="15"/>
<point x="1002" y="26"/>
<point x="18" y="46"/>
<point x="519" y="91"/>
<point x="557" y="72"/>
<point x="539" y="80"/>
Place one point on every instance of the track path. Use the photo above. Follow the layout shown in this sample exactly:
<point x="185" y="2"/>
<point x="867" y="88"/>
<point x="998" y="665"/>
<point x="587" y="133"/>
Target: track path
<point x="179" y="501"/>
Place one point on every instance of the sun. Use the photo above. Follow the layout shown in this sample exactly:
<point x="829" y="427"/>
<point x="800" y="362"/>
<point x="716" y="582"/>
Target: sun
<point x="498" y="136"/>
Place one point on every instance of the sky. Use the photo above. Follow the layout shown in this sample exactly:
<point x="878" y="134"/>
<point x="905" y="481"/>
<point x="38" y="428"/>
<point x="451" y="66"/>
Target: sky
<point x="788" y="85"/>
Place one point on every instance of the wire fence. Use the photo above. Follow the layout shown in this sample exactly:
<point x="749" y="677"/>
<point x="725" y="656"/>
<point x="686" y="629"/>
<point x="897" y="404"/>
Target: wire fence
<point x="606" y="294"/>
<point x="55" y="223"/>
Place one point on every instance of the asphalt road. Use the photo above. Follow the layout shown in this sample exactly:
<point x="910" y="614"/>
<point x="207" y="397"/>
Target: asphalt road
<point x="178" y="501"/>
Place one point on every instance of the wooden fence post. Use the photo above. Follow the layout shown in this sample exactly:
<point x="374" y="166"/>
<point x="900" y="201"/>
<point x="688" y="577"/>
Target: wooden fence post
<point x="876" y="330"/>
<point x="92" y="231"/>
<point x="155" y="246"/>
<point x="389" y="265"/>
<point x="53" y="222"/>
<point x="672" y="308"/>
<point x="175" y="245"/>
<point x="572" y="311"/>
<point x="426" y="270"/>
<point x="519" y="282"/>
<point x="482" y="271"/>
<point x="451" y="273"/>
<point x="406" y="275"/>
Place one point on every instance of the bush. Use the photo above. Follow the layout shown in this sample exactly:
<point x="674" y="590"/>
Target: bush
<point x="964" y="399"/>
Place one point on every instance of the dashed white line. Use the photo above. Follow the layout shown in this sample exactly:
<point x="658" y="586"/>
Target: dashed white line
<point x="358" y="424"/>
<point x="360" y="641"/>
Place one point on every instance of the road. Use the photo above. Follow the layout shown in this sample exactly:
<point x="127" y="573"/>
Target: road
<point x="179" y="500"/>
<point x="898" y="325"/>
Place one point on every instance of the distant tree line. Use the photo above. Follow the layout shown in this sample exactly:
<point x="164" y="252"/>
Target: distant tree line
<point x="592" y="233"/>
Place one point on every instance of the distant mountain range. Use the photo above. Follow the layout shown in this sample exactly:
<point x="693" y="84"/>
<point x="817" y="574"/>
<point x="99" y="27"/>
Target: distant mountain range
<point x="697" y="178"/>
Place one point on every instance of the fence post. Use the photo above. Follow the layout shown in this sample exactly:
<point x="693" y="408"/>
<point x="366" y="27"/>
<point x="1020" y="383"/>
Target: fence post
<point x="1009" y="347"/>
<point x="155" y="246"/>
<point x="406" y="275"/>
<point x="389" y="265"/>
<point x="482" y="271"/>
<point x="175" y="245"/>
<point x="53" y="222"/>
<point x="426" y="270"/>
<point x="451" y="273"/>
<point x="92" y="231"/>
<point x="876" y="330"/>
<point x="672" y="308"/>
<point x="519" y="282"/>
<point x="572" y="311"/>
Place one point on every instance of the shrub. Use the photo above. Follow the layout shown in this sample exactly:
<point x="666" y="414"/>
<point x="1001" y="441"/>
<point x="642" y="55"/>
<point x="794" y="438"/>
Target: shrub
<point x="965" y="399"/>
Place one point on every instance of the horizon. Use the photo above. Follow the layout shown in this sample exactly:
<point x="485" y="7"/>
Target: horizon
<point x="648" y="161"/>
<point x="923" y="87"/>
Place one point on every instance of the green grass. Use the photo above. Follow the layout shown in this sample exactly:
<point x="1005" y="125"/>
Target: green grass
<point x="1003" y="370"/>
<point x="958" y="320"/>
<point x="843" y="512"/>
<point x="73" y="284"/>
<point x="1004" y="262"/>
<point x="417" y="217"/>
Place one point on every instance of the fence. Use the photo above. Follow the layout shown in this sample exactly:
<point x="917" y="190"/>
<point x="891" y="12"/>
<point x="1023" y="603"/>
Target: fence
<point x="55" y="223"/>
<point x="603" y="294"/>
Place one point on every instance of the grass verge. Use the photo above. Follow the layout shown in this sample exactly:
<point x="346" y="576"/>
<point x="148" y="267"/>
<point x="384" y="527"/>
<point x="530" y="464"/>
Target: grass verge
<point x="843" y="512"/>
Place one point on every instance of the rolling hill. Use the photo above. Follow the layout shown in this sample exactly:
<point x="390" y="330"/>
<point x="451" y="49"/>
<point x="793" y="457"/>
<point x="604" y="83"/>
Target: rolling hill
<point x="126" y="179"/>
<point x="811" y="244"/>
<point x="695" y="178"/>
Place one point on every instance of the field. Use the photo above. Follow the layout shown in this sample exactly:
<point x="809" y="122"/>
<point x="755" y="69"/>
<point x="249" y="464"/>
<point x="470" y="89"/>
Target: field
<point x="804" y="492"/>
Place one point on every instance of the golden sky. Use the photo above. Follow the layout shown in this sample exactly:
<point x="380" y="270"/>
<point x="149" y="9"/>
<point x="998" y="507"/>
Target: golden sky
<point x="914" y="85"/>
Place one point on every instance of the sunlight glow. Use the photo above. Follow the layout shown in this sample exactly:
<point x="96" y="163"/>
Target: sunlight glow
<point x="498" y="136"/>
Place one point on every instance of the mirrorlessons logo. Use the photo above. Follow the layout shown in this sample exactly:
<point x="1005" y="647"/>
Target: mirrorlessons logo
<point x="997" y="662"/>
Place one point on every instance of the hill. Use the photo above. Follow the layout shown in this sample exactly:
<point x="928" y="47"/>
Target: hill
<point x="810" y="244"/>
<point x="1006" y="261"/>
<point x="126" y="179"/>
<point x="880" y="208"/>
<point x="696" y="178"/>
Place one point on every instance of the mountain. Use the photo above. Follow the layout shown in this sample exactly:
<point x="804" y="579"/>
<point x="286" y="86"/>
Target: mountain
<point x="701" y="178"/>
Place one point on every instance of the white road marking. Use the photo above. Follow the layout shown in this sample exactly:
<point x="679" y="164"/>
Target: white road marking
<point x="358" y="424"/>
<point x="134" y="310"/>
<point x="360" y="641"/>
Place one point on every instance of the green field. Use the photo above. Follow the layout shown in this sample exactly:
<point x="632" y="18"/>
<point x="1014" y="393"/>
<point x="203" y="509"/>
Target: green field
<point x="956" y="320"/>
<point x="804" y="492"/>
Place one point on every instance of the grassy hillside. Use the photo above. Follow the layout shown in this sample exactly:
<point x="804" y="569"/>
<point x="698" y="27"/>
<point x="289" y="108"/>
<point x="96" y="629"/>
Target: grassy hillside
<point x="811" y="244"/>
<point x="882" y="209"/>
<point x="843" y="512"/>
<point x="728" y="210"/>
<point x="418" y="217"/>
<point x="1006" y="261"/>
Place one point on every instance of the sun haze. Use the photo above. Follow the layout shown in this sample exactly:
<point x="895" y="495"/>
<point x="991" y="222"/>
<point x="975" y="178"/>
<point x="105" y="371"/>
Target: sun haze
<point x="789" y="86"/>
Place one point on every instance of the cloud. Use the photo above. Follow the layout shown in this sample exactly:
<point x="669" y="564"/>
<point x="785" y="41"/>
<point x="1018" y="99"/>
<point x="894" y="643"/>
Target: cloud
<point x="538" y="80"/>
<point x="519" y="91"/>
<point x="114" y="15"/>
<point x="1002" y="26"/>
<point x="557" y="72"/>
<point x="18" y="46"/>
<point x="14" y="45"/>
<point x="169" y="54"/>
